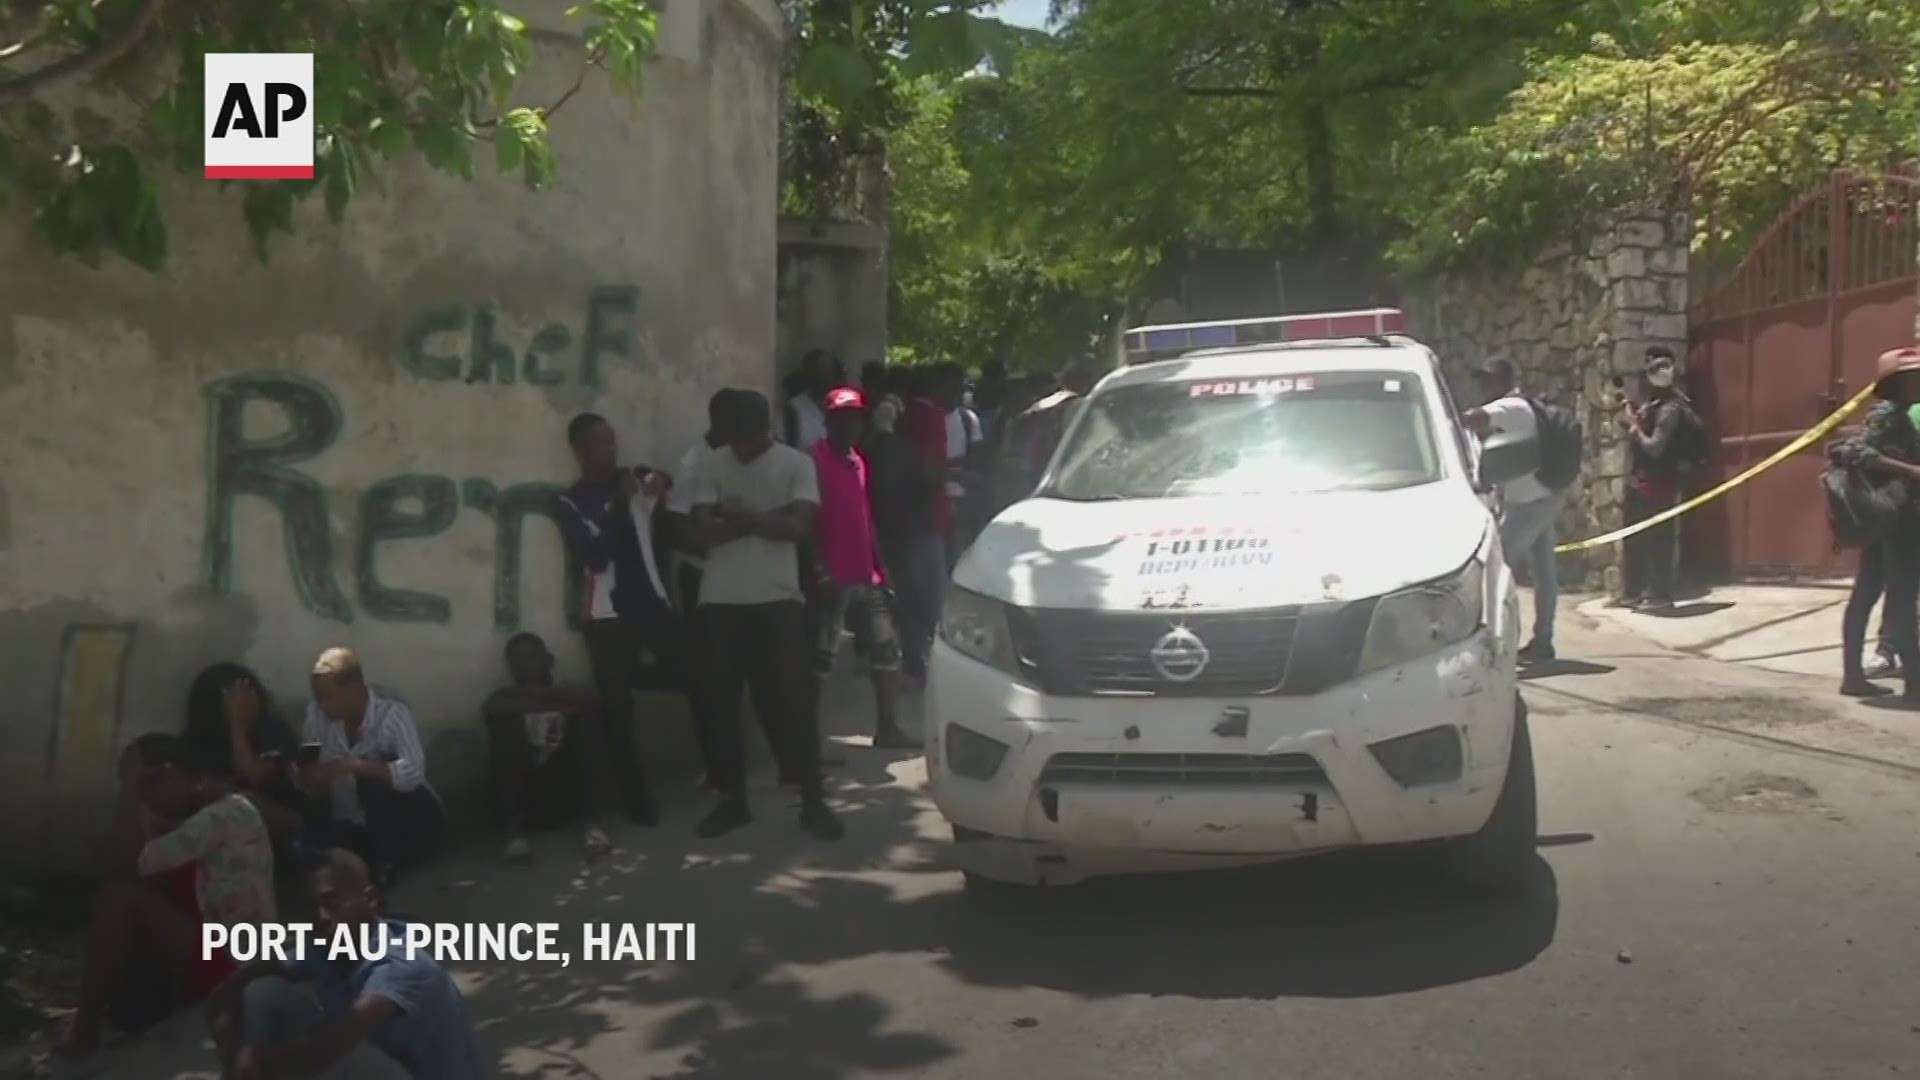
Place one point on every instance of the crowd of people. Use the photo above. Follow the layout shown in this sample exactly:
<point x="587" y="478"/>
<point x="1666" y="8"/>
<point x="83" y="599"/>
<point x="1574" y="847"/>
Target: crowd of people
<point x="1665" y="440"/>
<point x="736" y="573"/>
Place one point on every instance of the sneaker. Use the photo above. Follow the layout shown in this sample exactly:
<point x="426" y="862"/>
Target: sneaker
<point x="819" y="820"/>
<point x="1651" y="606"/>
<point x="723" y="819"/>
<point x="1858" y="686"/>
<point x="893" y="738"/>
<point x="1535" y="653"/>
<point x="1624" y="601"/>
<point x="595" y="842"/>
<point x="1880" y="666"/>
<point x="516" y="850"/>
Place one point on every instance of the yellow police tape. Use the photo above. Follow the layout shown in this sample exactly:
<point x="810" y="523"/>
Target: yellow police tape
<point x="1814" y="434"/>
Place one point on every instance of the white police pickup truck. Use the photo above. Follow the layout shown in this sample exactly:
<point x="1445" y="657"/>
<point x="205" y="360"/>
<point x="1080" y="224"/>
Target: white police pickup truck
<point x="1256" y="609"/>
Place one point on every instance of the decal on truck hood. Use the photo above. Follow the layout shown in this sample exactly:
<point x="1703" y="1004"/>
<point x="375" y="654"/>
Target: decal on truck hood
<point x="1228" y="552"/>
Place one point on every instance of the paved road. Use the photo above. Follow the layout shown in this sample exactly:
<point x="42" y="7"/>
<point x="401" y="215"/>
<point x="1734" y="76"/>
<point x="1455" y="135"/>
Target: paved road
<point x="1728" y="886"/>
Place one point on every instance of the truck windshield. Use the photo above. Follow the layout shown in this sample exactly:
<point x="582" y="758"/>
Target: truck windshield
<point x="1321" y="431"/>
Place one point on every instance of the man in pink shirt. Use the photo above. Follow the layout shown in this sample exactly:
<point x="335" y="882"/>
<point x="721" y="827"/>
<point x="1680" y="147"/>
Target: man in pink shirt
<point x="849" y="575"/>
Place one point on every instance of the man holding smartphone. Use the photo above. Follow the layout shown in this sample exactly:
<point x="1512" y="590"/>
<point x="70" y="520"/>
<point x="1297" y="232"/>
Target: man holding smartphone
<point x="606" y="518"/>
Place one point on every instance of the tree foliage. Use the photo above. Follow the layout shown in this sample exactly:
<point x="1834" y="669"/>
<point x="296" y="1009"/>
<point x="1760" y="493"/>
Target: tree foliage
<point x="1414" y="134"/>
<point x="1738" y="127"/>
<point x="852" y="63"/>
<point x="99" y="97"/>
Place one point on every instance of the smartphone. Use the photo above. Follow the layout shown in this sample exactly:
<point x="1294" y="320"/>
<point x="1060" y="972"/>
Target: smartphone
<point x="309" y="753"/>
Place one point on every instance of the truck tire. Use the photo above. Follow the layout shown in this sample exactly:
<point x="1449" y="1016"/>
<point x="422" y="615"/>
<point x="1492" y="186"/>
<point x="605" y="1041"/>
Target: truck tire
<point x="1499" y="859"/>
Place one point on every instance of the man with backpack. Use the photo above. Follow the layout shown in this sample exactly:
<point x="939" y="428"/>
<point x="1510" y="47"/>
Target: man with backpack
<point x="1666" y="441"/>
<point x="1529" y="504"/>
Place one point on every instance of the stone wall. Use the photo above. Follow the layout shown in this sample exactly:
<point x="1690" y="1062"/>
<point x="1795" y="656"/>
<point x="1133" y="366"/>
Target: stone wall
<point x="357" y="442"/>
<point x="1572" y="321"/>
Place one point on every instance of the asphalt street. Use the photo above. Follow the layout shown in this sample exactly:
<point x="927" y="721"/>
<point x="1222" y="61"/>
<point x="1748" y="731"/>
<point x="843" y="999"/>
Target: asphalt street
<point x="1728" y="886"/>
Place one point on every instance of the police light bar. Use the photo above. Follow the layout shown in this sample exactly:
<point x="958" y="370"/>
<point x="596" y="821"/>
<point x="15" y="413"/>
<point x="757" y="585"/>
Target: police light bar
<point x="1165" y="342"/>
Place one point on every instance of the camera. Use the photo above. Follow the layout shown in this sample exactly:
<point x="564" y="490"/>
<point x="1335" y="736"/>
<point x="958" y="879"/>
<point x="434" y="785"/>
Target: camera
<point x="309" y="754"/>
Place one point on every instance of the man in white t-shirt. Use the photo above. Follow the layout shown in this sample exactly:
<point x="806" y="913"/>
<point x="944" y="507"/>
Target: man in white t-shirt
<point x="753" y="503"/>
<point x="1527" y="506"/>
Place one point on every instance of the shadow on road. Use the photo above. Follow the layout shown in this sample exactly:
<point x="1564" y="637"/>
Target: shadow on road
<point x="770" y="906"/>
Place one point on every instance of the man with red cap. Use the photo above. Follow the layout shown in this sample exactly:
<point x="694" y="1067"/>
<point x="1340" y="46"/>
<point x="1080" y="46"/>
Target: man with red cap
<point x="848" y="574"/>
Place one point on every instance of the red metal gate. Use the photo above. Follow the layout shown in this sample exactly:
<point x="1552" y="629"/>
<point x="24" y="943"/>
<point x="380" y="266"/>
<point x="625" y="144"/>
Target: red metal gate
<point x="1780" y="342"/>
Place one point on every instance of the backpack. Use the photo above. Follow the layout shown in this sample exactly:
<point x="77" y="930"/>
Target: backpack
<point x="1562" y="444"/>
<point x="1693" y="444"/>
<point x="1860" y="507"/>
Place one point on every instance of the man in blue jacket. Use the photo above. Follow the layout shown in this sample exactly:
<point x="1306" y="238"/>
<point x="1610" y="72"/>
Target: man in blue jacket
<point x="607" y="519"/>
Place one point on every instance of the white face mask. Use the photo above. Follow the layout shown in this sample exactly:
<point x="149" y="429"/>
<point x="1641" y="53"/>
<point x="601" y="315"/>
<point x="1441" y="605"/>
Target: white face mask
<point x="1662" y="378"/>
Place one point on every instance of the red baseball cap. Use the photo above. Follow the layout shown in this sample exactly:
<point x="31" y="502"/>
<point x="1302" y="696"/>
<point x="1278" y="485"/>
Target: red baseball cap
<point x="846" y="397"/>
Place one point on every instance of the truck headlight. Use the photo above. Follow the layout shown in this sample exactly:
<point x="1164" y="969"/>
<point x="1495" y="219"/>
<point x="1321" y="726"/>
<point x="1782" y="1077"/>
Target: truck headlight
<point x="976" y="626"/>
<point x="1420" y="621"/>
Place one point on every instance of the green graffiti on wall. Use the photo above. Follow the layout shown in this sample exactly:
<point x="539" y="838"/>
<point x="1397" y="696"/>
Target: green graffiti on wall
<point x="409" y="507"/>
<point x="463" y="343"/>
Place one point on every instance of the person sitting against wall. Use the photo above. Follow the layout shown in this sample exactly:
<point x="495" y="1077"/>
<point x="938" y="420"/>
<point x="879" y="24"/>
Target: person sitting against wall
<point x="367" y="780"/>
<point x="396" y="1015"/>
<point x="235" y="735"/>
<point x="545" y="749"/>
<point x="188" y="851"/>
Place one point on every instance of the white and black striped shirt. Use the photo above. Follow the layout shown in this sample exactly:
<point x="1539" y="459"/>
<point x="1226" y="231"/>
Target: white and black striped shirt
<point x="387" y="734"/>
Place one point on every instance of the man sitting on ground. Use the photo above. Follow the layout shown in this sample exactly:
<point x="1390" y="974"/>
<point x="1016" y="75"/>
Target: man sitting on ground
<point x="371" y="772"/>
<point x="545" y="739"/>
<point x="392" y="1018"/>
<point x="189" y="852"/>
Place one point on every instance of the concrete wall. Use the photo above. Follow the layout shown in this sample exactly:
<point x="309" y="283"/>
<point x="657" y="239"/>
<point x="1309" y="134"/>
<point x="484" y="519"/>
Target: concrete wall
<point x="1571" y="321"/>
<point x="833" y="291"/>
<point x="353" y="443"/>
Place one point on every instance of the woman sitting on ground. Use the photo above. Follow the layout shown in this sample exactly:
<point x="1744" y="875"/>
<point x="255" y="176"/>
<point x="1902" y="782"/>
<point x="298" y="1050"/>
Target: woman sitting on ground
<point x="234" y="734"/>
<point x="188" y="852"/>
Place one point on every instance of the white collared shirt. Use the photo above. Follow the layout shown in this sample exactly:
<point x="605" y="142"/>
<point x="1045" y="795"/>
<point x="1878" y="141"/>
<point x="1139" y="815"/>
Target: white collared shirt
<point x="387" y="734"/>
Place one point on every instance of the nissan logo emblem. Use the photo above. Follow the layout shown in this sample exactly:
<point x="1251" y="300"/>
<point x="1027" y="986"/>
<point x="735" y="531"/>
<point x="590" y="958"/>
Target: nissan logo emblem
<point x="1180" y="655"/>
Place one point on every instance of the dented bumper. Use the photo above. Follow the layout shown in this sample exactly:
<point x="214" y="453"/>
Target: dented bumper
<point x="1107" y="784"/>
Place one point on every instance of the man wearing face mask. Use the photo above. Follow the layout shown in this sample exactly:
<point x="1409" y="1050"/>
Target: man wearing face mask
<point x="1655" y="430"/>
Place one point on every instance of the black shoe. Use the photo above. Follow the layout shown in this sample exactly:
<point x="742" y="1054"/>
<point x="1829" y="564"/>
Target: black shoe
<point x="643" y="813"/>
<point x="1535" y="653"/>
<point x="1859" y="686"/>
<point x="820" y="821"/>
<point x="723" y="819"/>
<point x="892" y="738"/>
<point x="1654" y="606"/>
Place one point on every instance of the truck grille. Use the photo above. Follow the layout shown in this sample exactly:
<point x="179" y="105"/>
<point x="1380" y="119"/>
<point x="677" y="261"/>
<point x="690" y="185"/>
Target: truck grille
<point x="1292" y="650"/>
<point x="1189" y="770"/>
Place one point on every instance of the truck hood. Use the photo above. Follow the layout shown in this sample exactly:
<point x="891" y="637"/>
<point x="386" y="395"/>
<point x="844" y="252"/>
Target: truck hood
<point x="1223" y="552"/>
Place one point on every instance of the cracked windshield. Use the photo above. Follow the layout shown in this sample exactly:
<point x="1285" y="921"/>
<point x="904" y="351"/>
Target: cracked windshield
<point x="957" y="539"/>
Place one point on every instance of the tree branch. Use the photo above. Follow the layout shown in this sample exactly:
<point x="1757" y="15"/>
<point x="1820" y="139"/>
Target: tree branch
<point x="111" y="48"/>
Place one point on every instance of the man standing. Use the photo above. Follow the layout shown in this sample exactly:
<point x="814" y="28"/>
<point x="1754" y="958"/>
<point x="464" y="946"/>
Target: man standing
<point x="755" y="503"/>
<point x="1654" y="430"/>
<point x="806" y="388"/>
<point x="851" y="579"/>
<point x="545" y="738"/>
<point x="961" y="426"/>
<point x="371" y="769"/>
<point x="1527" y="506"/>
<point x="690" y="564"/>
<point x="917" y="555"/>
<point x="396" y="1015"/>
<point x="607" y="520"/>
